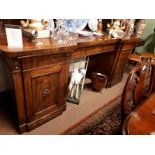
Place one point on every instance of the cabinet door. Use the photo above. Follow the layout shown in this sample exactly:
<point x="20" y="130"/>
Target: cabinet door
<point x="122" y="62"/>
<point x="45" y="91"/>
<point x="120" y="66"/>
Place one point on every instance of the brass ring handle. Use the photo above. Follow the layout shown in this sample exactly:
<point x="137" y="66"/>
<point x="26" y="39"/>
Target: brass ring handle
<point x="46" y="92"/>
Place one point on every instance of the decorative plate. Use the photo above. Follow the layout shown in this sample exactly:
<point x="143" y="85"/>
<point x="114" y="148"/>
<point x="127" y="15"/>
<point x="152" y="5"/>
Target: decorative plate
<point x="80" y="24"/>
<point x="92" y="24"/>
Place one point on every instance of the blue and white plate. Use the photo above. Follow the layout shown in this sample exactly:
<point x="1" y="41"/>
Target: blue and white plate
<point x="80" y="24"/>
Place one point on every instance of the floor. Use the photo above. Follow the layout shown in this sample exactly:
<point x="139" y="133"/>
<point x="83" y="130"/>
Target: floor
<point x="89" y="102"/>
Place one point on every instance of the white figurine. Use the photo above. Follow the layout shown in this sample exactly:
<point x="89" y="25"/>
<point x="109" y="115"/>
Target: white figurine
<point x="76" y="78"/>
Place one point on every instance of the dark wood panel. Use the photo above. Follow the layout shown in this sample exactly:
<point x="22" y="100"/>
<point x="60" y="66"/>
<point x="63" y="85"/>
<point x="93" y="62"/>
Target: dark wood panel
<point x="45" y="92"/>
<point x="122" y="62"/>
<point x="119" y="68"/>
<point x="42" y="91"/>
<point x="101" y="63"/>
<point x="9" y="21"/>
<point x="19" y="94"/>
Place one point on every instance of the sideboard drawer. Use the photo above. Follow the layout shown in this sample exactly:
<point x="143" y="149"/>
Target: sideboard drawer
<point x="44" y="60"/>
<point x="127" y="46"/>
<point x="93" y="50"/>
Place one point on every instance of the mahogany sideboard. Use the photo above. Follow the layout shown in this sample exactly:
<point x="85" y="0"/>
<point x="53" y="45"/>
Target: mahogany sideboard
<point x="39" y="73"/>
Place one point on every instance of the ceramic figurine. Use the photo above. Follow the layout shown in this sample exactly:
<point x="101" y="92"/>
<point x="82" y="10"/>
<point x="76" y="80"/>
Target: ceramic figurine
<point x="116" y="28"/>
<point x="76" y="78"/>
<point x="129" y="29"/>
<point x="99" y="26"/>
<point x="78" y="72"/>
<point x="34" y="24"/>
<point x="140" y="28"/>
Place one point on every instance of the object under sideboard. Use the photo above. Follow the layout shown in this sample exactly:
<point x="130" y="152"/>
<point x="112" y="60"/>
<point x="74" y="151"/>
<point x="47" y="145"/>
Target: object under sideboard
<point x="39" y="73"/>
<point x="113" y="62"/>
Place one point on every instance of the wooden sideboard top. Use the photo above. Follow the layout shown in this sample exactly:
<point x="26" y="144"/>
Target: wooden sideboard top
<point x="49" y="46"/>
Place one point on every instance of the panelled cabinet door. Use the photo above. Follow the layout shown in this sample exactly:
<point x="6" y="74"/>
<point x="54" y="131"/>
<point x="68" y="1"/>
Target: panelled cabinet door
<point x="122" y="62"/>
<point x="120" y="67"/>
<point x="45" y="91"/>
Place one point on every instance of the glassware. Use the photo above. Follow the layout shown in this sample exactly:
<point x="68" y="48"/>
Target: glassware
<point x="50" y="25"/>
<point x="62" y="36"/>
<point x="73" y="36"/>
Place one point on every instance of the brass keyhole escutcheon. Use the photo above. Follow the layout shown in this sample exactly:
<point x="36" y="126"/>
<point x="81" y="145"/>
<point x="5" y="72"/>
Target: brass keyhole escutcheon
<point x="46" y="92"/>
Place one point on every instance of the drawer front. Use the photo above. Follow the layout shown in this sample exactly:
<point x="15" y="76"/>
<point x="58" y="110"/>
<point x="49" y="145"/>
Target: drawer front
<point x="93" y="50"/>
<point x="33" y="62"/>
<point x="127" y="46"/>
<point x="131" y="46"/>
<point x="44" y="91"/>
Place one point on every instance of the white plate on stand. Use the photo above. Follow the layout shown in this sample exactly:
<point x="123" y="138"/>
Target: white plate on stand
<point x="85" y="33"/>
<point x="92" y="24"/>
